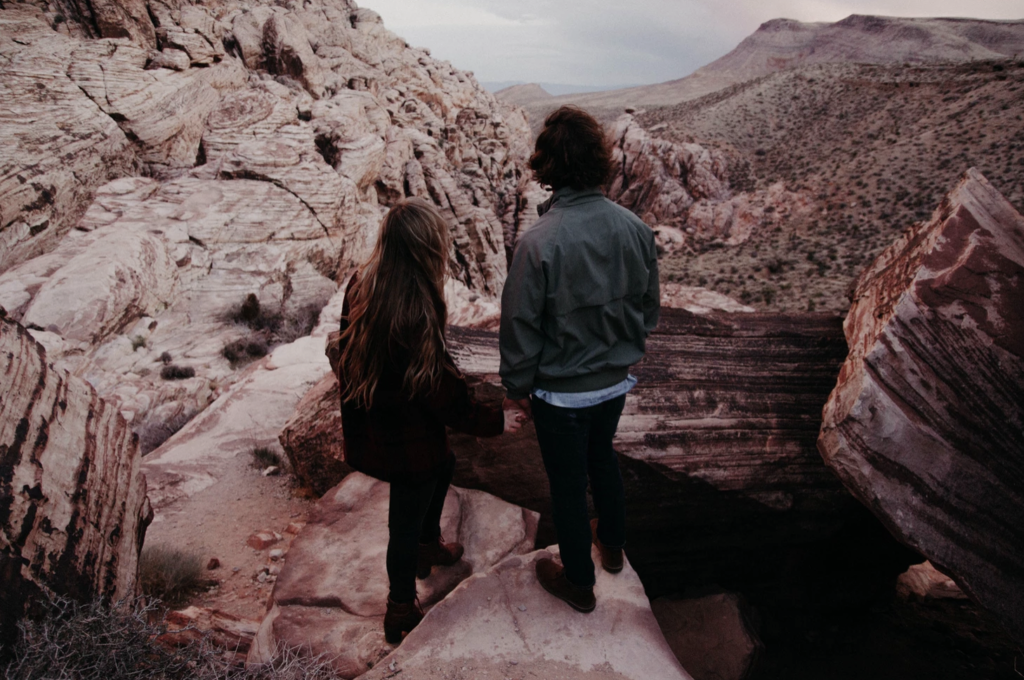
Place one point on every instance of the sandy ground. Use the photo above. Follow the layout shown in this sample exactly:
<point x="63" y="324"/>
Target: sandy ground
<point x="217" y="522"/>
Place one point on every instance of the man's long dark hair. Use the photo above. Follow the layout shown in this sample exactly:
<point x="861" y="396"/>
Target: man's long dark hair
<point x="572" y="151"/>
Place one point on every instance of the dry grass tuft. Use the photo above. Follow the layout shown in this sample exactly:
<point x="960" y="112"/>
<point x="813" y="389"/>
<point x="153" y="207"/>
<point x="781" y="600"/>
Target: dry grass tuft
<point x="120" y="641"/>
<point x="170" y="575"/>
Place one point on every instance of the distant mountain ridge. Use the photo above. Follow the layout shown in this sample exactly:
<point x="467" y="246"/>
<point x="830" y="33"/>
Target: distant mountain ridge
<point x="781" y="44"/>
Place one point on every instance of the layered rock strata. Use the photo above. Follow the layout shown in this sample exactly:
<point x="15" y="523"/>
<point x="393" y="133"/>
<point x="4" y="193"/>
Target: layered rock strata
<point x="331" y="595"/>
<point x="73" y="507"/>
<point x="502" y="623"/>
<point x="717" y="443"/>
<point x="924" y="425"/>
<point x="724" y="483"/>
<point x="272" y="140"/>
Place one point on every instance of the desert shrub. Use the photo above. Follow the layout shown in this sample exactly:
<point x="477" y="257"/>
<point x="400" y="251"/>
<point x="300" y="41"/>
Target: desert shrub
<point x="246" y="349"/>
<point x="153" y="432"/>
<point x="165" y="357"/>
<point x="170" y="575"/>
<point x="97" y="641"/>
<point x="264" y="457"/>
<point x="175" y="372"/>
<point x="137" y="342"/>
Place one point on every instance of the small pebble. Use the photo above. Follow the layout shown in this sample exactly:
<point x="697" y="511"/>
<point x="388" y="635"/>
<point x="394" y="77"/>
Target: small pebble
<point x="276" y="554"/>
<point x="522" y="607"/>
<point x="214" y="563"/>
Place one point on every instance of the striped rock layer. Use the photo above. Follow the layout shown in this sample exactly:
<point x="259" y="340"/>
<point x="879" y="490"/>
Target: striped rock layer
<point x="73" y="507"/>
<point x="925" y="424"/>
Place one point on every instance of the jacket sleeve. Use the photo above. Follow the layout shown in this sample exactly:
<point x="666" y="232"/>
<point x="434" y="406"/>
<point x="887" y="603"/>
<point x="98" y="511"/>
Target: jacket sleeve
<point x="652" y="296"/>
<point x="521" y="338"/>
<point x="452" y="405"/>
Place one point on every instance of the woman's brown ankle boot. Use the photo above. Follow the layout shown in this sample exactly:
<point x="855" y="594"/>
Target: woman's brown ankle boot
<point x="437" y="552"/>
<point x="401" y="617"/>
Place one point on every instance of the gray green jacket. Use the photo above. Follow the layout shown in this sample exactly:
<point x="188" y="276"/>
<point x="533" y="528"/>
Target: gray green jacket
<point x="580" y="299"/>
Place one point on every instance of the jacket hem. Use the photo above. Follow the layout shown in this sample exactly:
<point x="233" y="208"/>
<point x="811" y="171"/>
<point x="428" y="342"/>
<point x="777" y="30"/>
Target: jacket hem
<point x="583" y="383"/>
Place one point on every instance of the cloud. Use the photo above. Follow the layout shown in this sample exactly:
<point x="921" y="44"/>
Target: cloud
<point x="600" y="42"/>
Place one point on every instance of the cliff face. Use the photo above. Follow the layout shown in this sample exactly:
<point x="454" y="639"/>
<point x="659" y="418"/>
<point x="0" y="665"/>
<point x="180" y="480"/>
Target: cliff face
<point x="924" y="425"/>
<point x="254" y="149"/>
<point x="73" y="507"/>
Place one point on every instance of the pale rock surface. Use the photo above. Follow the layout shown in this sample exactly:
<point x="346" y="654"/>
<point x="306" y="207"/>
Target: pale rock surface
<point x="926" y="582"/>
<point x="502" y="622"/>
<point x="58" y="146"/>
<point x="924" y="425"/>
<point x="258" y="183"/>
<point x="331" y="594"/>
<point x="247" y="415"/>
<point x="712" y="636"/>
<point x="698" y="300"/>
<point x="73" y="506"/>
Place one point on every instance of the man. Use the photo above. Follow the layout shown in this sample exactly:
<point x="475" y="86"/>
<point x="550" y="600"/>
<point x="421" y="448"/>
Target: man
<point x="580" y="300"/>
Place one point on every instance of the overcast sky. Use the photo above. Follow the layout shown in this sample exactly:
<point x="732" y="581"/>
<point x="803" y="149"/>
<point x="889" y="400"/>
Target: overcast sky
<point x="620" y="42"/>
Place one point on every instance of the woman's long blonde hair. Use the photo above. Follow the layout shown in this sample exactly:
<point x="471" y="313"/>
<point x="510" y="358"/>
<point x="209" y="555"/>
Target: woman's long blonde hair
<point x="397" y="306"/>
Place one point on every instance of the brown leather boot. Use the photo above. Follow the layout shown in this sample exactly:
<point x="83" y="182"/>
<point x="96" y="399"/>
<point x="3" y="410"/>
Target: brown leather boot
<point x="552" y="577"/>
<point x="401" y="617"/>
<point x="611" y="558"/>
<point x="438" y="552"/>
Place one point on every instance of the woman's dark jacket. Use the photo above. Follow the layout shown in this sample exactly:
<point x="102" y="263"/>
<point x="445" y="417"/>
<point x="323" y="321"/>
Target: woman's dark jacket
<point x="405" y="436"/>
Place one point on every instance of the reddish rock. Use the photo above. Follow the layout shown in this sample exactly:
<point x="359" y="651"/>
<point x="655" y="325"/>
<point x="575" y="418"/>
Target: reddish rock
<point x="263" y="540"/>
<point x="713" y="636"/>
<point x="73" y="507"/>
<point x="924" y="426"/>
<point x="925" y="582"/>
<point x="224" y="631"/>
<point x="214" y="563"/>
<point x="312" y="438"/>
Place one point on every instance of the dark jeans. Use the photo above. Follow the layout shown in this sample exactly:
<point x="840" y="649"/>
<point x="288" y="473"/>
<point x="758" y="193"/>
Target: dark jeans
<point x="414" y="517"/>
<point x="576" y="444"/>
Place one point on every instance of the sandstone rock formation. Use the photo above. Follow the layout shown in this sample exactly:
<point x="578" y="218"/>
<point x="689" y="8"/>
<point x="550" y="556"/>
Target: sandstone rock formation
<point x="331" y="594"/>
<point x="272" y="140"/>
<point x="712" y="636"/>
<point x="501" y="622"/>
<point x="73" y="507"/>
<point x="683" y="191"/>
<point x="724" y="482"/>
<point x="924" y="424"/>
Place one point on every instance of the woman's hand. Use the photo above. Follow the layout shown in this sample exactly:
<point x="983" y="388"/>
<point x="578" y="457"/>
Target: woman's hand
<point x="514" y="419"/>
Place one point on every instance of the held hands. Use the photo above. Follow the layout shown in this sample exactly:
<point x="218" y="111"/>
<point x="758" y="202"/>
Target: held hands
<point x="517" y="412"/>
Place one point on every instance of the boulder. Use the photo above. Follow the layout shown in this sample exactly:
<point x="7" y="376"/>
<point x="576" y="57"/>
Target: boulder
<point x="331" y="594"/>
<point x="713" y="636"/>
<point x="925" y="582"/>
<point x="73" y="507"/>
<point x="314" y="444"/>
<point x="287" y="52"/>
<point x="502" y="623"/>
<point x="924" y="425"/>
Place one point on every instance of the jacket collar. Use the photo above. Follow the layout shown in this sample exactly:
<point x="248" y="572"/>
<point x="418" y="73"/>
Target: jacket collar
<point x="567" y="196"/>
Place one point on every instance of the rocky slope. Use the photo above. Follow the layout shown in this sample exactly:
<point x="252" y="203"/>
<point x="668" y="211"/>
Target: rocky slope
<point x="331" y="594"/>
<point x="858" y="153"/>
<point x="254" y="149"/>
<point x="924" y="425"/>
<point x="782" y="44"/>
<point x="73" y="506"/>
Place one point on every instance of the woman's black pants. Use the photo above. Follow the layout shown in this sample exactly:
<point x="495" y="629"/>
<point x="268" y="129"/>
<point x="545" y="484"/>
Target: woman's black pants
<point x="414" y="517"/>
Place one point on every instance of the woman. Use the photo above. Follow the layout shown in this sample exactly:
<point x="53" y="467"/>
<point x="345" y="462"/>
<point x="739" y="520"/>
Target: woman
<point x="400" y="388"/>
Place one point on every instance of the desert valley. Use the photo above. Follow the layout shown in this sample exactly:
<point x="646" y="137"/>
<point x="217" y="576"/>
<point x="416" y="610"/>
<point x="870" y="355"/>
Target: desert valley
<point x="823" y="456"/>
